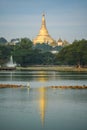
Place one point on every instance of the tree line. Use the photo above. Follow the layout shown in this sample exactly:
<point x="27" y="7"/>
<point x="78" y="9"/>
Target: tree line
<point x="25" y="53"/>
<point x="74" y="54"/>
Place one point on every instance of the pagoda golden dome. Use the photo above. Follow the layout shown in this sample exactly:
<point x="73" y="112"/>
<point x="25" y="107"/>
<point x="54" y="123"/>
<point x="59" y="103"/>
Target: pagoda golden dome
<point x="43" y="36"/>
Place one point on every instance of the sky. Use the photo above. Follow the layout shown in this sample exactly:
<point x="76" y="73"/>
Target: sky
<point x="65" y="19"/>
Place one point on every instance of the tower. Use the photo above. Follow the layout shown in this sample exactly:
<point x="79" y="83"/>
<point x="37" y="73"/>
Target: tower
<point x="43" y="36"/>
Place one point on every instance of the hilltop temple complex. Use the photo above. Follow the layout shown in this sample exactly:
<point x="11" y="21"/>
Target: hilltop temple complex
<point x="44" y="37"/>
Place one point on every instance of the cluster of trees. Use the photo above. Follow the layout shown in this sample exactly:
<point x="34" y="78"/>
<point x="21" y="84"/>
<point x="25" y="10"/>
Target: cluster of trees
<point x="25" y="53"/>
<point x="74" y="54"/>
<point x="44" y="47"/>
<point x="3" y="40"/>
<point x="5" y="52"/>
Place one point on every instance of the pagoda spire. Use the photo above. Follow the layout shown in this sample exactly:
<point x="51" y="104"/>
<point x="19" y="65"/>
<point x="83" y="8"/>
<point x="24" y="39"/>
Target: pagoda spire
<point x="43" y="35"/>
<point x="43" y="20"/>
<point x="43" y="29"/>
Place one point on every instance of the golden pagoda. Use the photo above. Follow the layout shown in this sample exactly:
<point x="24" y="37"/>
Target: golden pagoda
<point x="43" y="36"/>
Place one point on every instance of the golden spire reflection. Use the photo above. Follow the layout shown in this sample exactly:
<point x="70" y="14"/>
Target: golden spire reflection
<point x="42" y="76"/>
<point x="42" y="103"/>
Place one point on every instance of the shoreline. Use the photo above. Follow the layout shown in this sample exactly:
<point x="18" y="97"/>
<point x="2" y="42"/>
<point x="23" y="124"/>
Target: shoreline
<point x="53" y="87"/>
<point x="45" y="68"/>
<point x="52" y="68"/>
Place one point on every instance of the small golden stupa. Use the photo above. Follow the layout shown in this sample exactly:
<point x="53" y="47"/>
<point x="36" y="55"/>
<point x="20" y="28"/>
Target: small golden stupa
<point x="43" y="36"/>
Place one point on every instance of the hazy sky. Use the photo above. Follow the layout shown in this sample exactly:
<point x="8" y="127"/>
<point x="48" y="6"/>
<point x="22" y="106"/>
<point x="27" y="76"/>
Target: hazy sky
<point x="22" y="18"/>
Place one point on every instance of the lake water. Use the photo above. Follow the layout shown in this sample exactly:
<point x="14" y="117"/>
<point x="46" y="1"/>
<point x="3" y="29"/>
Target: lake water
<point x="43" y="78"/>
<point x="39" y="108"/>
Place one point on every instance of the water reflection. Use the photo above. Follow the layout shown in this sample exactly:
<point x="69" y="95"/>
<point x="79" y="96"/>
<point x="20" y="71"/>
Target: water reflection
<point x="42" y="103"/>
<point x="37" y="112"/>
<point x="28" y="90"/>
<point x="42" y="79"/>
<point x="37" y="95"/>
<point x="41" y="75"/>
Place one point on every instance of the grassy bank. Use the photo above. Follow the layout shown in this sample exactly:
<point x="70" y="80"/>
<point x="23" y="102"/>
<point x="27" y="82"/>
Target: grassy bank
<point x="52" y="68"/>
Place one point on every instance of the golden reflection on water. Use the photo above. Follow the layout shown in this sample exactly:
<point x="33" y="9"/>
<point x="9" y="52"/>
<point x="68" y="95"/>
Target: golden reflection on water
<point x="42" y="103"/>
<point x="42" y="77"/>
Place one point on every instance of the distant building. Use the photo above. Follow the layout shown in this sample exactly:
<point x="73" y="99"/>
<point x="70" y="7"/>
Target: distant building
<point x="54" y="51"/>
<point x="62" y="43"/>
<point x="14" y="41"/>
<point x="65" y="43"/>
<point x="43" y="36"/>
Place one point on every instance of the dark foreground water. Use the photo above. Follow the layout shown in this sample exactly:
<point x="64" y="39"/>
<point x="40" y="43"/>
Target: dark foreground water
<point x="39" y="108"/>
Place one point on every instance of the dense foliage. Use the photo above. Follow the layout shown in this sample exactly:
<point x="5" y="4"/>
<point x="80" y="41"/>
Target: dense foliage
<point x="25" y="53"/>
<point x="5" y="52"/>
<point x="44" y="47"/>
<point x="3" y="40"/>
<point x="74" y="54"/>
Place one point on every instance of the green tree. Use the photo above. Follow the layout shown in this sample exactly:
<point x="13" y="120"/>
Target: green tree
<point x="74" y="54"/>
<point x="5" y="52"/>
<point x="3" y="40"/>
<point x="22" y="51"/>
<point x="48" y="58"/>
<point x="43" y="47"/>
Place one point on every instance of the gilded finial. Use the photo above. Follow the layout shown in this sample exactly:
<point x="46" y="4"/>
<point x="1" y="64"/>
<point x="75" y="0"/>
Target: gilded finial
<point x="43" y="13"/>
